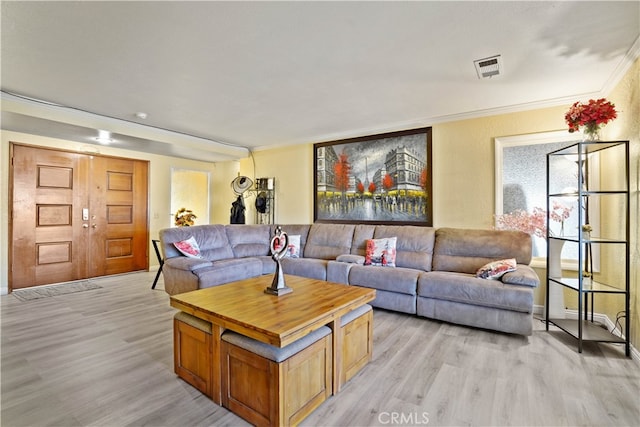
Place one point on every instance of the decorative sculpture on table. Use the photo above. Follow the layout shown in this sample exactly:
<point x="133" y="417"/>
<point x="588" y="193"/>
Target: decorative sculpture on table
<point x="279" y="246"/>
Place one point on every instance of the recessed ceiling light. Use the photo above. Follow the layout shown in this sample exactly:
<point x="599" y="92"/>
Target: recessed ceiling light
<point x="141" y="115"/>
<point x="104" y="137"/>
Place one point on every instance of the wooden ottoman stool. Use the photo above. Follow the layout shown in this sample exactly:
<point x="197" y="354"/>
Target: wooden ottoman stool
<point x="272" y="386"/>
<point x="356" y="328"/>
<point x="192" y="352"/>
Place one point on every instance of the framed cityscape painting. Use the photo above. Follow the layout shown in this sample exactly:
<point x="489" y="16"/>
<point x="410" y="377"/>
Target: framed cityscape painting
<point x="377" y="179"/>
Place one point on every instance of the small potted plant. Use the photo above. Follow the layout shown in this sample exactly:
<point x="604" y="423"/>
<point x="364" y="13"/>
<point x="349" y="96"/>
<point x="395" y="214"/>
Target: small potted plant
<point x="185" y="217"/>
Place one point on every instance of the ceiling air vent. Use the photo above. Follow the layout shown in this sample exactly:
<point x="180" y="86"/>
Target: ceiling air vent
<point x="488" y="67"/>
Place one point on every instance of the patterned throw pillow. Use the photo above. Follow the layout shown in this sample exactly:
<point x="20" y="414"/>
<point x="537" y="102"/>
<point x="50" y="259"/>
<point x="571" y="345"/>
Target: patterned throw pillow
<point x="496" y="269"/>
<point x="293" y="250"/>
<point x="189" y="247"/>
<point x="381" y="252"/>
<point x="294" y="246"/>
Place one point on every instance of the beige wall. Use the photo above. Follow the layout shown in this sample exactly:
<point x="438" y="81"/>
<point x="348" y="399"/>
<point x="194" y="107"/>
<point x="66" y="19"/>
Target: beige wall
<point x="626" y="97"/>
<point x="292" y="168"/>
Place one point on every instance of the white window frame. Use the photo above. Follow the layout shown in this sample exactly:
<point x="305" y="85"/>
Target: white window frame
<point x="530" y="139"/>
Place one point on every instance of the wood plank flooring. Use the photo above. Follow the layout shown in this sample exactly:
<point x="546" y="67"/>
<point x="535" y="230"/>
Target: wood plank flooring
<point x="103" y="357"/>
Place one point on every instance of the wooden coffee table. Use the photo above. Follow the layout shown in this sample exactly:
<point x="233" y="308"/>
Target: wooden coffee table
<point x="244" y="307"/>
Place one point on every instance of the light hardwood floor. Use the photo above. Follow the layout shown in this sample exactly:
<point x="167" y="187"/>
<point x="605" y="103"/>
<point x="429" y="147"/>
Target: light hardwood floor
<point x="104" y="358"/>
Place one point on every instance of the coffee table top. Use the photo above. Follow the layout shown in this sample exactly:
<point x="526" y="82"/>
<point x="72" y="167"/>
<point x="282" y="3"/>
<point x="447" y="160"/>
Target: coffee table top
<point x="244" y="307"/>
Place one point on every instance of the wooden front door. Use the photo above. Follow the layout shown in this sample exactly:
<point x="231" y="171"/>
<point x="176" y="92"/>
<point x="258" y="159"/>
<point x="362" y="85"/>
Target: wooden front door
<point x="75" y="216"/>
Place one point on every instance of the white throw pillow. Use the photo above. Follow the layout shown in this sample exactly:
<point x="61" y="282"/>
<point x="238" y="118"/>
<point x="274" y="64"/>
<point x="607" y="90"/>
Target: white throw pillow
<point x="189" y="248"/>
<point x="496" y="269"/>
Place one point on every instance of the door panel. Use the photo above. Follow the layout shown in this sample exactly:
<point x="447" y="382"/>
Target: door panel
<point x="46" y="241"/>
<point x="119" y="215"/>
<point x="51" y="241"/>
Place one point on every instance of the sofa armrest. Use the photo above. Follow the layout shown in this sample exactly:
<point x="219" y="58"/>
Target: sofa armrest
<point x="351" y="259"/>
<point x="338" y="272"/>
<point x="523" y="276"/>
<point x="186" y="263"/>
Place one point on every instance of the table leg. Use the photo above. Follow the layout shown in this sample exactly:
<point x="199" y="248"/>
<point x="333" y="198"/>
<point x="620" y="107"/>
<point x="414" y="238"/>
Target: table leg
<point x="336" y="348"/>
<point x="216" y="362"/>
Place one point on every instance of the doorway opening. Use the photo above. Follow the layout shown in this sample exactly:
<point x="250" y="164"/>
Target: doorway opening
<point x="190" y="190"/>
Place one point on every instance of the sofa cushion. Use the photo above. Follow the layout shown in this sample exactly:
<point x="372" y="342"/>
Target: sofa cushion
<point x="212" y="239"/>
<point x="306" y="267"/>
<point x="249" y="240"/>
<point x="467" y="289"/>
<point x="523" y="276"/>
<point x="327" y="241"/>
<point x="229" y="270"/>
<point x="401" y="280"/>
<point x="361" y="234"/>
<point x="268" y="264"/>
<point x="512" y="322"/>
<point x="414" y="246"/>
<point x="351" y="259"/>
<point x="395" y="301"/>
<point x="465" y="251"/>
<point x="187" y="263"/>
<point x="277" y="354"/>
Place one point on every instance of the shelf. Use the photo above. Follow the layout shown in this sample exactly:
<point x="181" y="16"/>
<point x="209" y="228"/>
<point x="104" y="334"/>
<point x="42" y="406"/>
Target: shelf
<point x="264" y="188"/>
<point x="588" y="285"/>
<point x="588" y="193"/>
<point x="585" y="148"/>
<point x="590" y="331"/>
<point x="608" y="242"/>
<point x="593" y="239"/>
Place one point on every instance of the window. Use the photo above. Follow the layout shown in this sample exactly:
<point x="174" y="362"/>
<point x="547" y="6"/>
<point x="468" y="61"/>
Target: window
<point x="520" y="183"/>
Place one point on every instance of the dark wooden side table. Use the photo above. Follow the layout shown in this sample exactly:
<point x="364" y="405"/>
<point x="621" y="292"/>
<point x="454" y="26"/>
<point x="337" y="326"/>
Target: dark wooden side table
<point x="160" y="260"/>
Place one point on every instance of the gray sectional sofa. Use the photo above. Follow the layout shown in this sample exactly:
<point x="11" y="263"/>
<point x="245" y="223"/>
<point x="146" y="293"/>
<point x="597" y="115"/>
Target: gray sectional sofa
<point x="434" y="274"/>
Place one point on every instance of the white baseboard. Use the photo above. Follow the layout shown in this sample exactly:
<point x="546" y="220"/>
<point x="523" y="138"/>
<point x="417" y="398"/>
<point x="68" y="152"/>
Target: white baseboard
<point x="597" y="317"/>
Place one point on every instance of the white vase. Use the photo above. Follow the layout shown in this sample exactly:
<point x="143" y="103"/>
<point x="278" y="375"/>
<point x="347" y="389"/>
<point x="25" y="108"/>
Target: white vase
<point x="554" y="269"/>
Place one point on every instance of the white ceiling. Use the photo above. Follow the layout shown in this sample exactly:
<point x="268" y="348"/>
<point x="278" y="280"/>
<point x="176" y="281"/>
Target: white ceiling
<point x="217" y="78"/>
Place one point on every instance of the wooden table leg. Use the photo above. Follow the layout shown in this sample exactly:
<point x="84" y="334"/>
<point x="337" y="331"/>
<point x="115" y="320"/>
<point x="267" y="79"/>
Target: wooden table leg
<point x="337" y="354"/>
<point x="216" y="364"/>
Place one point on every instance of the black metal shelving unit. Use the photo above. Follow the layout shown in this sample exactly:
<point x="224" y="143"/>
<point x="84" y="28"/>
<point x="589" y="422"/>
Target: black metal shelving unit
<point x="266" y="189"/>
<point x="605" y="196"/>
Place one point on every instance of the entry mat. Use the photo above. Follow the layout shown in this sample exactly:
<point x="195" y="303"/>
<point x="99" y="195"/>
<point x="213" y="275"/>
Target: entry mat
<point x="54" y="290"/>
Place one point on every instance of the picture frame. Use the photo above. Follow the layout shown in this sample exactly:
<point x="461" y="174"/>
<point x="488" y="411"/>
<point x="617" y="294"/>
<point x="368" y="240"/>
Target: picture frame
<point x="377" y="179"/>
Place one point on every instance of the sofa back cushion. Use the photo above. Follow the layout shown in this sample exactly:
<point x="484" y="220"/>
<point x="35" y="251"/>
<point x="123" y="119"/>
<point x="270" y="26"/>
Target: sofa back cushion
<point x="327" y="241"/>
<point x="212" y="241"/>
<point x="465" y="251"/>
<point x="249" y="240"/>
<point x="361" y="234"/>
<point x="414" y="245"/>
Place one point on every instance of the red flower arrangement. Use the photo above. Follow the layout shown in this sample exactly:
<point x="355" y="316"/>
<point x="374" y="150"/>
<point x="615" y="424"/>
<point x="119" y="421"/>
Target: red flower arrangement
<point x="591" y="115"/>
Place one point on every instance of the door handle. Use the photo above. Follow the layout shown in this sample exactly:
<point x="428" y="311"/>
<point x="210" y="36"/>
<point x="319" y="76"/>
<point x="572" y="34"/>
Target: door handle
<point x="85" y="225"/>
<point x="93" y="225"/>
